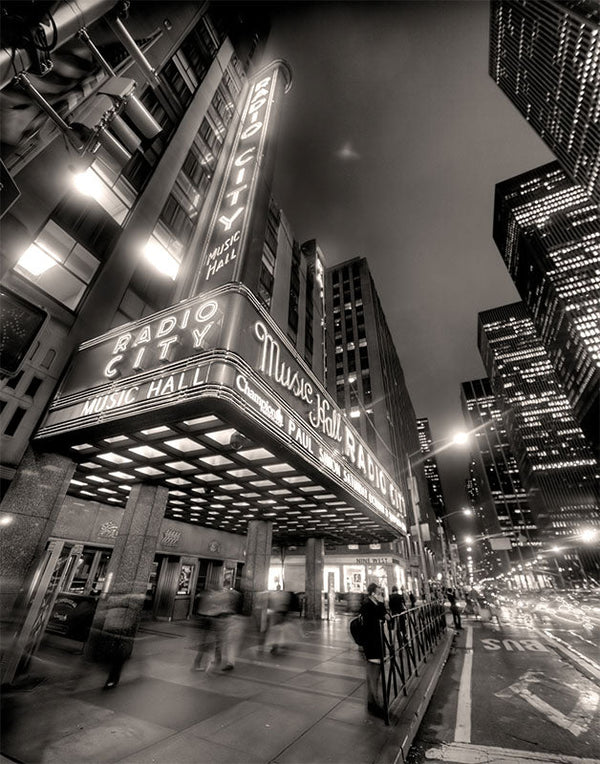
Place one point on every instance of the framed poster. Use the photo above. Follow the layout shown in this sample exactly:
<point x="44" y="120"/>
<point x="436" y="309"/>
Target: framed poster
<point x="185" y="579"/>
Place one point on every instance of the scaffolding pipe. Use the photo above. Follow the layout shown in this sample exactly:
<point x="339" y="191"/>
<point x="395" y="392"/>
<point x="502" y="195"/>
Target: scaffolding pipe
<point x="69" y="17"/>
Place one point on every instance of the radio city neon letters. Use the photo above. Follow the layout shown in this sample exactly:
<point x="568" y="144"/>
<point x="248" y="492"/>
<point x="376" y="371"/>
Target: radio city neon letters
<point x="161" y="338"/>
<point x="236" y="198"/>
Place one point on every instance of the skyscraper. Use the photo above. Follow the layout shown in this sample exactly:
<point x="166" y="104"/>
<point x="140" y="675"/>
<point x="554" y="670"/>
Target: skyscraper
<point x="548" y="232"/>
<point x="365" y="376"/>
<point x="430" y="467"/>
<point x="502" y="507"/>
<point x="556" y="466"/>
<point x="545" y="56"/>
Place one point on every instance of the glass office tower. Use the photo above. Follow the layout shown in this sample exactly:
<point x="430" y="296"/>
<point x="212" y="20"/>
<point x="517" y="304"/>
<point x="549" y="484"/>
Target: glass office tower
<point x="430" y="467"/>
<point x="504" y="511"/>
<point x="555" y="463"/>
<point x="548" y="232"/>
<point x="545" y="56"/>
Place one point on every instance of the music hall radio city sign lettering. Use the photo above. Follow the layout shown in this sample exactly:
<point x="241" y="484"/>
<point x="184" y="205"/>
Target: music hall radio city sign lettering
<point x="221" y="344"/>
<point x="227" y="235"/>
<point x="325" y="418"/>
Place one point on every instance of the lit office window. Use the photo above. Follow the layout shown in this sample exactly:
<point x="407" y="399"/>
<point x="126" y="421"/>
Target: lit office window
<point x="58" y="265"/>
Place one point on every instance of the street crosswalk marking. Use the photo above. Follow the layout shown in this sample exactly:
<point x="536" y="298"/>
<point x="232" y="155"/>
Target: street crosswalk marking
<point x="467" y="753"/>
<point x="576" y="722"/>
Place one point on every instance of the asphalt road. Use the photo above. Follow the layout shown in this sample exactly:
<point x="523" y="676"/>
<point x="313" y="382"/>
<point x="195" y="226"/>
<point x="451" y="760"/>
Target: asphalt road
<point x="508" y="696"/>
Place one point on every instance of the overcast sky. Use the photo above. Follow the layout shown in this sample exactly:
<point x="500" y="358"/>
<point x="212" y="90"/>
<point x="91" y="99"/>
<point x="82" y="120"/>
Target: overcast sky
<point x="392" y="139"/>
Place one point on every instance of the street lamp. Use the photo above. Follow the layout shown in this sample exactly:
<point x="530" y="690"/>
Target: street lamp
<point x="457" y="439"/>
<point x="443" y="538"/>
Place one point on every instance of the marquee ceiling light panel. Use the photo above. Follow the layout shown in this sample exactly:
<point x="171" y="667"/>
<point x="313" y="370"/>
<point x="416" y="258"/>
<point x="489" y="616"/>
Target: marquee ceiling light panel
<point x="214" y="480"/>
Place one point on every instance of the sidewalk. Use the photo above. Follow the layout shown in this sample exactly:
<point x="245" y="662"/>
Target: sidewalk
<point x="304" y="705"/>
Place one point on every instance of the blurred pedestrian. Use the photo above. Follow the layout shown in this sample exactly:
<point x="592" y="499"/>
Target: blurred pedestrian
<point x="454" y="609"/>
<point x="373" y="612"/>
<point x="116" y="639"/>
<point x="412" y="599"/>
<point x="398" y="608"/>
<point x="233" y="629"/>
<point x="214" y="607"/>
<point x="279" y="605"/>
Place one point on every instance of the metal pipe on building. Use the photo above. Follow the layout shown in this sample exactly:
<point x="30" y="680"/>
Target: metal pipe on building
<point x="134" y="51"/>
<point x="68" y="17"/>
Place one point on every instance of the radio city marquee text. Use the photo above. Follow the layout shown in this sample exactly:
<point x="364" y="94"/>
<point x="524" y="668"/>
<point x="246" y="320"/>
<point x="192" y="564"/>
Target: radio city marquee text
<point x="225" y="240"/>
<point x="324" y="418"/>
<point x="151" y="346"/>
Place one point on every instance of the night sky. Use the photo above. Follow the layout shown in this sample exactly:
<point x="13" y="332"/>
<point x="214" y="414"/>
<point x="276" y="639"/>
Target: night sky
<point x="392" y="139"/>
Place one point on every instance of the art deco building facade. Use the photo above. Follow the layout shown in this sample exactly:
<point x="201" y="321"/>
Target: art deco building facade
<point x="164" y="414"/>
<point x="556" y="466"/>
<point x="545" y="56"/>
<point x="501" y="505"/>
<point x="548" y="232"/>
<point x="365" y="375"/>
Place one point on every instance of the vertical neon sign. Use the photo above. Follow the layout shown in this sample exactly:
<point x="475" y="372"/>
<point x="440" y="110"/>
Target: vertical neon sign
<point x="226" y="241"/>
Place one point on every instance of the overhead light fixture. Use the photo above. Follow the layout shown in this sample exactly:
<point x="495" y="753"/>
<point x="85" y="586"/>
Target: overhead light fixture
<point x="160" y="258"/>
<point x="36" y="261"/>
<point x="88" y="183"/>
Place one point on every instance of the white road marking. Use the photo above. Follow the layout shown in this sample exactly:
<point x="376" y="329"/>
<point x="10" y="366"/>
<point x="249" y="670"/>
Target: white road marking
<point x="576" y="722"/>
<point x="585" y="663"/>
<point x="462" y="753"/>
<point x="462" y="730"/>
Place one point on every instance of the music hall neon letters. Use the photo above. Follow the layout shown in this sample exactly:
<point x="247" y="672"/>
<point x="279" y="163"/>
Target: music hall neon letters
<point x="225" y="238"/>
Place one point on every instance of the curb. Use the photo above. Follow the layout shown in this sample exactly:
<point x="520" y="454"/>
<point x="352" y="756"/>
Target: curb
<point x="410" y="710"/>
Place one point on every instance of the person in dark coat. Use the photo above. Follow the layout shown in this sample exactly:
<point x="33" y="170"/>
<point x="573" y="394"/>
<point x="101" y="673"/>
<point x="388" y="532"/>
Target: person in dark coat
<point x="397" y="604"/>
<point x="454" y="609"/>
<point x="398" y="608"/>
<point x="373" y="612"/>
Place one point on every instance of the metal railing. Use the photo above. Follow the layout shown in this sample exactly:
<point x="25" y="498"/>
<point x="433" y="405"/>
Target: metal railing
<point x="406" y="641"/>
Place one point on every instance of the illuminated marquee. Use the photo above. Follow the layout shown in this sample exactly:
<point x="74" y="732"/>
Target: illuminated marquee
<point x="219" y="344"/>
<point x="322" y="415"/>
<point x="313" y="447"/>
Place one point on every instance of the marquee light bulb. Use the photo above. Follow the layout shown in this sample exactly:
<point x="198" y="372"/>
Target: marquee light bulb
<point x="88" y="183"/>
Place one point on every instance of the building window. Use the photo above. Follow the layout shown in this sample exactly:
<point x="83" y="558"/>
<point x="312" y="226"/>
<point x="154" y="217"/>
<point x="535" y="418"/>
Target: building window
<point x="267" y="268"/>
<point x="179" y="78"/>
<point x="58" y="265"/>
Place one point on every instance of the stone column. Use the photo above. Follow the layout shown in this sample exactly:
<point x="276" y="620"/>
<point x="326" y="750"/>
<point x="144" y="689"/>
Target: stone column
<point x="315" y="562"/>
<point x="129" y="569"/>
<point x="28" y="514"/>
<point x="256" y="568"/>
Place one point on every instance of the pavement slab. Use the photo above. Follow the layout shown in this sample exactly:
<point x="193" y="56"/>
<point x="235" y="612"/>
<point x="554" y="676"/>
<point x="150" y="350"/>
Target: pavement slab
<point x="170" y="705"/>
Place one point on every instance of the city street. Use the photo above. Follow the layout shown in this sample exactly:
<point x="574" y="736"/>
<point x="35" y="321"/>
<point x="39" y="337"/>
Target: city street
<point x="506" y="695"/>
<point x="571" y="619"/>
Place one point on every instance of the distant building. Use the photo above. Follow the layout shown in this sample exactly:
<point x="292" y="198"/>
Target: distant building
<point x="365" y="376"/>
<point x="430" y="467"/>
<point x="501" y="504"/>
<point x="548" y="232"/>
<point x="545" y="56"/>
<point x="556" y="466"/>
